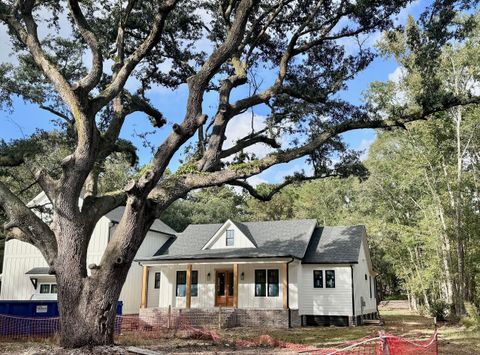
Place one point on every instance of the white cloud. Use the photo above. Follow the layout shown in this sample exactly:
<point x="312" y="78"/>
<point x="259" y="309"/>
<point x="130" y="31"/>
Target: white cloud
<point x="365" y="146"/>
<point x="241" y="126"/>
<point x="397" y="75"/>
<point x="401" y="18"/>
<point x="256" y="180"/>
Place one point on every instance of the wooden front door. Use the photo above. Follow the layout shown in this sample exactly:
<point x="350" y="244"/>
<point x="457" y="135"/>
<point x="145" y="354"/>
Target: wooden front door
<point x="224" y="288"/>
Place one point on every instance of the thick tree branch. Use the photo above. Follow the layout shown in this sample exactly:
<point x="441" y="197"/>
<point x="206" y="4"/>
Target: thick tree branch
<point x="29" y="37"/>
<point x="247" y="142"/>
<point x="197" y="85"/>
<point x="93" y="78"/>
<point x="176" y="186"/>
<point x="137" y="104"/>
<point x="275" y="188"/>
<point x="25" y="226"/>
<point x="95" y="207"/>
<point x="11" y="160"/>
<point x="117" y="85"/>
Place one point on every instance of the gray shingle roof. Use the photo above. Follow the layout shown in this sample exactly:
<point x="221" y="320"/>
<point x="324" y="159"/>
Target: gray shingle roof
<point x="38" y="271"/>
<point x="272" y="238"/>
<point x="157" y="226"/>
<point x="332" y="245"/>
<point x="294" y="238"/>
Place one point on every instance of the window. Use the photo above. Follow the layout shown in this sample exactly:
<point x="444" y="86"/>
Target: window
<point x="330" y="278"/>
<point x="48" y="288"/>
<point x="318" y="278"/>
<point x="273" y="288"/>
<point x="230" y="238"/>
<point x="44" y="288"/>
<point x="194" y="287"/>
<point x="157" y="280"/>
<point x="260" y="280"/>
<point x="264" y="278"/>
<point x="182" y="283"/>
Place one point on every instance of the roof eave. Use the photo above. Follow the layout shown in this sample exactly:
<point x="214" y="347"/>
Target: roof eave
<point x="212" y="258"/>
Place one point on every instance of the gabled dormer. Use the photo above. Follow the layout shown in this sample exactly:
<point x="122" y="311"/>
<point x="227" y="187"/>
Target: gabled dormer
<point x="231" y="235"/>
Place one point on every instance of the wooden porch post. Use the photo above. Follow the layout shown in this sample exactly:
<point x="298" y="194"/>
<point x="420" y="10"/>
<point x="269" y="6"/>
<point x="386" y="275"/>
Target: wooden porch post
<point x="188" y="294"/>
<point x="143" y="303"/>
<point x="235" y="285"/>
<point x="284" y="286"/>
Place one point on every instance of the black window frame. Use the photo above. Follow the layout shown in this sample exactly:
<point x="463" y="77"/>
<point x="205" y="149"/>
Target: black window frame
<point x="156" y="280"/>
<point x="315" y="273"/>
<point x="52" y="287"/>
<point x="230" y="237"/>
<point x="194" y="281"/>
<point x="48" y="288"/>
<point x="181" y="281"/>
<point x="331" y="272"/>
<point x="263" y="284"/>
<point x="277" y="282"/>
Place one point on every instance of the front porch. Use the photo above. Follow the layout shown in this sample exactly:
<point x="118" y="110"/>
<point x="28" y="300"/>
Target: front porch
<point x="207" y="285"/>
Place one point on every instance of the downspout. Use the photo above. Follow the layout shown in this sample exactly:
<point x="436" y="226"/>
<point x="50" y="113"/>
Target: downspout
<point x="288" y="294"/>
<point x="353" y="298"/>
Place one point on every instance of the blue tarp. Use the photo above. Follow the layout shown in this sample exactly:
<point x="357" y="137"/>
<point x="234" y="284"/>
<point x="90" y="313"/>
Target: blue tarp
<point x="38" y="317"/>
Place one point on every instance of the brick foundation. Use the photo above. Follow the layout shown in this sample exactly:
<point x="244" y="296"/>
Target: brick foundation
<point x="219" y="317"/>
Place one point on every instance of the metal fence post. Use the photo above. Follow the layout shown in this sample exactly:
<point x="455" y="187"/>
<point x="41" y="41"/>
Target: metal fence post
<point x="220" y="317"/>
<point x="383" y="339"/>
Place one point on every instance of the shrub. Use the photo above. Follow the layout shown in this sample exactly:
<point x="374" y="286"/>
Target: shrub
<point x="472" y="319"/>
<point x="439" y="309"/>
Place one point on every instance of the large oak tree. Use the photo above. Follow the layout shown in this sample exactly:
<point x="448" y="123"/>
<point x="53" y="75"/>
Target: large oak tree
<point x="305" y="46"/>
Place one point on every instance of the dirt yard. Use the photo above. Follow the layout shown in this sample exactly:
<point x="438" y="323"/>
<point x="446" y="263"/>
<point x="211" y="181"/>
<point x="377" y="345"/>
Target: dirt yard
<point x="454" y="339"/>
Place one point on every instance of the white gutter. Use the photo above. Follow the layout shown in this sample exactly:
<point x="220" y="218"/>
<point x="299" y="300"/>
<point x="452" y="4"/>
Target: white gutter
<point x="280" y="260"/>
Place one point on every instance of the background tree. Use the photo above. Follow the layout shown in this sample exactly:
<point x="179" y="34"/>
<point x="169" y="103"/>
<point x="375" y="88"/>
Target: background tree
<point x="301" y="44"/>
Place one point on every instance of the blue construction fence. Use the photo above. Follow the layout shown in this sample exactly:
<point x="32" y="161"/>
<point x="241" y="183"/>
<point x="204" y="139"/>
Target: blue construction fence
<point x="33" y="318"/>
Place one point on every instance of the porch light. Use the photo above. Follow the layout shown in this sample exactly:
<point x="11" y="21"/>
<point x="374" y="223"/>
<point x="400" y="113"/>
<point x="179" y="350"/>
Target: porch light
<point x="208" y="277"/>
<point x="242" y="275"/>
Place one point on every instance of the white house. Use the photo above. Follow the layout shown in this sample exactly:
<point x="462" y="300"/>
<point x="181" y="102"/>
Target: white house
<point x="25" y="272"/>
<point x="281" y="273"/>
<point x="284" y="273"/>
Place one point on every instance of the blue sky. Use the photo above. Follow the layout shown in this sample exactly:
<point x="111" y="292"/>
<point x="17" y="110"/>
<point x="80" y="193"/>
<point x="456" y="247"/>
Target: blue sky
<point x="26" y="118"/>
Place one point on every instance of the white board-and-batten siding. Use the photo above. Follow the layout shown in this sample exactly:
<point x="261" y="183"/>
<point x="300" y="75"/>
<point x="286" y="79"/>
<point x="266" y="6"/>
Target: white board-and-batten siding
<point x="206" y="287"/>
<point x="20" y="257"/>
<point x="132" y="289"/>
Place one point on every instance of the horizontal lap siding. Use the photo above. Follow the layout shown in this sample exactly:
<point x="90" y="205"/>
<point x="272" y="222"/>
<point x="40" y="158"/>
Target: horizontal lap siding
<point x="326" y="301"/>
